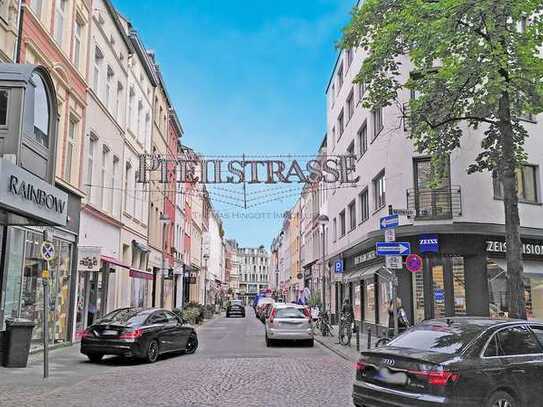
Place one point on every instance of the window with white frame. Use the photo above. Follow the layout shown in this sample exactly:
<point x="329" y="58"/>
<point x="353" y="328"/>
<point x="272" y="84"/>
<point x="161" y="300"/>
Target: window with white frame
<point x="70" y="149"/>
<point x="377" y="116"/>
<point x="362" y="136"/>
<point x="118" y="101"/>
<point x="36" y="6"/>
<point x="363" y="197"/>
<point x="139" y="121"/>
<point x="342" y="223"/>
<point x="350" y="149"/>
<point x="350" y="105"/>
<point x="78" y="31"/>
<point x="131" y="99"/>
<point x="104" y="179"/>
<point x="109" y="84"/>
<point x="114" y="172"/>
<point x="60" y="8"/>
<point x="341" y="123"/>
<point x="379" y="190"/>
<point x="128" y="176"/>
<point x="352" y="215"/>
<point x="361" y="90"/>
<point x="335" y="229"/>
<point x="90" y="165"/>
<point x="339" y="76"/>
<point x="98" y="60"/>
<point x="527" y="183"/>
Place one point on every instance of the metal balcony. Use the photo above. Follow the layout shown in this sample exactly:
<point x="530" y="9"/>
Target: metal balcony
<point x="435" y="204"/>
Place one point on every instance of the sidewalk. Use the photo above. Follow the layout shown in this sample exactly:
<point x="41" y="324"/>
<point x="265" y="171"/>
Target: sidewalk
<point x="346" y="352"/>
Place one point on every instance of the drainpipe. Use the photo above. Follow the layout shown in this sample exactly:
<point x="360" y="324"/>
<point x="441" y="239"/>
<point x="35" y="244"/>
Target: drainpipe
<point x="17" y="51"/>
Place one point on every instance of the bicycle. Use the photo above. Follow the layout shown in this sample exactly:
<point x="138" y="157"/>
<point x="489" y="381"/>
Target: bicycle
<point x="323" y="325"/>
<point x="345" y="329"/>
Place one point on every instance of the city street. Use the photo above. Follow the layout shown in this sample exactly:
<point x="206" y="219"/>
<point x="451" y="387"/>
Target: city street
<point x="232" y="367"/>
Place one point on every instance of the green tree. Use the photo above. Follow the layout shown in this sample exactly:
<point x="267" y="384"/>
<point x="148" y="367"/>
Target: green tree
<point x="472" y="64"/>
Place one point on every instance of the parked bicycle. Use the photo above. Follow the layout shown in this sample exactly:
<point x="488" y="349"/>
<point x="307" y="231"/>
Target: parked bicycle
<point x="323" y="324"/>
<point x="345" y="329"/>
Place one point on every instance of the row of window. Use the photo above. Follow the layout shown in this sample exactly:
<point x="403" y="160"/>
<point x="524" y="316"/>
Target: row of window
<point x="340" y="227"/>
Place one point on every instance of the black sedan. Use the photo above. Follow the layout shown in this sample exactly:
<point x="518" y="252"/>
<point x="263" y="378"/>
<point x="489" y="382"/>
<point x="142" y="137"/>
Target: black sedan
<point x="235" y="308"/>
<point x="140" y="333"/>
<point x="455" y="362"/>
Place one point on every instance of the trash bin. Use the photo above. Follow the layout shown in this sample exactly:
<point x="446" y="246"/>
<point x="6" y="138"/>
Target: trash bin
<point x="17" y="343"/>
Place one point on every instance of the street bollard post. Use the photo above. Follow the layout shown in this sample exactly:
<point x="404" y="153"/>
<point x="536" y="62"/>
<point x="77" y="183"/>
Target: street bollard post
<point x="369" y="338"/>
<point x="358" y="338"/>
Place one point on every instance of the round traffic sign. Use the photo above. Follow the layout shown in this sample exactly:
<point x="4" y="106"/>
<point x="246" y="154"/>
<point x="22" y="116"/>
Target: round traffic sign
<point x="413" y="263"/>
<point x="47" y="251"/>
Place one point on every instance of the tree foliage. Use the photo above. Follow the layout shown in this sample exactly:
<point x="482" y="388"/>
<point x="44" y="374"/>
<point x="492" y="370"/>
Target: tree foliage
<point x="464" y="54"/>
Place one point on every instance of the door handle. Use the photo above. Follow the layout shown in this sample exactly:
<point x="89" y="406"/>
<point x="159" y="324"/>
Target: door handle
<point x="519" y="371"/>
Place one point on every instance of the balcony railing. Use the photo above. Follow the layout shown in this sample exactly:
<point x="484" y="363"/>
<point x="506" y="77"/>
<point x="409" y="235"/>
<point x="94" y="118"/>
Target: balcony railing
<point x="430" y="204"/>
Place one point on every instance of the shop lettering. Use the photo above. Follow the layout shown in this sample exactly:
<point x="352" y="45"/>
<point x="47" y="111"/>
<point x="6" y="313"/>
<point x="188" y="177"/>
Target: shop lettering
<point x="365" y="257"/>
<point x="36" y="195"/>
<point x="88" y="262"/>
<point x="527" y="248"/>
<point x="428" y="241"/>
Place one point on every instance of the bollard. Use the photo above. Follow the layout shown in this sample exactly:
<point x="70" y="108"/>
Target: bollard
<point x="358" y="338"/>
<point x="369" y="338"/>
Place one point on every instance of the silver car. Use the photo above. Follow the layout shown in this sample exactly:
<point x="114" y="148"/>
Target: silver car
<point x="288" y="322"/>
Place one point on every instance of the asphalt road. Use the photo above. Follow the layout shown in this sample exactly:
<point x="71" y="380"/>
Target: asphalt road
<point x="232" y="367"/>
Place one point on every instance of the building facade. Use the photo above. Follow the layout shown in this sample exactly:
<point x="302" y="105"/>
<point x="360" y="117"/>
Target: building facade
<point x="254" y="266"/>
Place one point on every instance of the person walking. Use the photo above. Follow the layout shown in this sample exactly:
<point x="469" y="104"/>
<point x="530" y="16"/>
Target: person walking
<point x="401" y="316"/>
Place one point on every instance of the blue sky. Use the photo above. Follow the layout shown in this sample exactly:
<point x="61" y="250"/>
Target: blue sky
<point x="245" y="77"/>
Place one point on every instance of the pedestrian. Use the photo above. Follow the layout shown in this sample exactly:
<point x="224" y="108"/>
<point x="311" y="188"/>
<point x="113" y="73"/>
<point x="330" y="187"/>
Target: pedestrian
<point x="401" y="316"/>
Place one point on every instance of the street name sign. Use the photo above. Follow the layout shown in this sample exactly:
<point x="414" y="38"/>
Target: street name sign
<point x="388" y="222"/>
<point x="393" y="248"/>
<point x="394" y="262"/>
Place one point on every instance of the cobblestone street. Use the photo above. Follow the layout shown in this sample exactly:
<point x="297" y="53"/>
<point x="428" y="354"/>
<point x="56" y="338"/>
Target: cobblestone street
<point x="232" y="367"/>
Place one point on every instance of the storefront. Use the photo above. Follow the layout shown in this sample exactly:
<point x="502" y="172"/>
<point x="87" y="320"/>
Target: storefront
<point x="462" y="274"/>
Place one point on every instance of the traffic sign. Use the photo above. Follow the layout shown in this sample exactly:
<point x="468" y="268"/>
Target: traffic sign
<point x="413" y="263"/>
<point x="390" y="235"/>
<point x="47" y="251"/>
<point x="404" y="212"/>
<point x="393" y="248"/>
<point x="394" y="262"/>
<point x="388" y="222"/>
<point x="338" y="266"/>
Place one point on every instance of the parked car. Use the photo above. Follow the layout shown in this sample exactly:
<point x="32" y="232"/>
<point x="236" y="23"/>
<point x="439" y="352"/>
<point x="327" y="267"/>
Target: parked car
<point x="288" y="322"/>
<point x="461" y="361"/>
<point x="260" y="304"/>
<point x="140" y="333"/>
<point x="235" y="307"/>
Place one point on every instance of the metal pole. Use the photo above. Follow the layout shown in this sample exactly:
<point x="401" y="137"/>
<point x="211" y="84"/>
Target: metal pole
<point x="45" y="282"/>
<point x="394" y="291"/>
<point x="323" y="273"/>
<point x="162" y="270"/>
<point x="358" y="337"/>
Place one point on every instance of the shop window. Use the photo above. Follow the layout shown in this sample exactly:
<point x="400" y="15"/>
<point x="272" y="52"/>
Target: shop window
<point x="438" y="291"/>
<point x="527" y="183"/>
<point x="369" y="301"/>
<point x="13" y="268"/>
<point x="418" y="296"/>
<point x="384" y="300"/>
<point x="3" y="107"/>
<point x="459" y="285"/>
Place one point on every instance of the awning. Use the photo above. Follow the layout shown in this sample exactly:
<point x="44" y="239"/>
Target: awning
<point x="140" y="246"/>
<point x="112" y="260"/>
<point x="531" y="268"/>
<point x="135" y="273"/>
<point x="361" y="274"/>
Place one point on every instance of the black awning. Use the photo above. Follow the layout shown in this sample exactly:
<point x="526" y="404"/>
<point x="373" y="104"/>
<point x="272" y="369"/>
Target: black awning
<point x="140" y="246"/>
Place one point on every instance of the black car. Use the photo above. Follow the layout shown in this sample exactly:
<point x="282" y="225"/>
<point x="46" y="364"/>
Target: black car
<point x="455" y="362"/>
<point x="140" y="333"/>
<point x="235" y="308"/>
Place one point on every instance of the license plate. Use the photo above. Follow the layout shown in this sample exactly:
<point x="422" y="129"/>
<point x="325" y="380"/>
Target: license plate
<point x="109" y="332"/>
<point x="397" y="378"/>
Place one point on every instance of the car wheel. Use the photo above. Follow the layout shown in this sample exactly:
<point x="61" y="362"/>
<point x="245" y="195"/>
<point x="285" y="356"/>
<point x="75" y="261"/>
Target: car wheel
<point x="95" y="357"/>
<point x="310" y="342"/>
<point x="501" y="399"/>
<point x="192" y="344"/>
<point x="152" y="353"/>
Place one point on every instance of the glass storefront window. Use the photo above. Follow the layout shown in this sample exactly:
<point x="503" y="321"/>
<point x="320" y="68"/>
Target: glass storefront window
<point x="459" y="285"/>
<point x="438" y="290"/>
<point x="418" y="296"/>
<point x="385" y="297"/>
<point x="369" y="301"/>
<point x="139" y="290"/>
<point x="534" y="297"/>
<point x="13" y="268"/>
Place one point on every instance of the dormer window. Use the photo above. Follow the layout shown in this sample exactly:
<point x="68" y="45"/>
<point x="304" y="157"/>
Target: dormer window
<point x="41" y="111"/>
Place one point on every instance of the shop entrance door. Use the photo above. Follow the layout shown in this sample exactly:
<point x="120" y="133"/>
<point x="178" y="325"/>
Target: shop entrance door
<point x="447" y="288"/>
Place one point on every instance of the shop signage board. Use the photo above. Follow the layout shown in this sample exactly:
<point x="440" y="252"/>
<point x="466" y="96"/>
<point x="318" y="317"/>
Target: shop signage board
<point x="428" y="244"/>
<point x="30" y="196"/>
<point x="394" y="262"/>
<point x="362" y="258"/>
<point x="393" y="248"/>
<point x="338" y="266"/>
<point x="410" y="213"/>
<point x="389" y="222"/>
<point x="88" y="258"/>
<point x="533" y="249"/>
<point x="413" y="263"/>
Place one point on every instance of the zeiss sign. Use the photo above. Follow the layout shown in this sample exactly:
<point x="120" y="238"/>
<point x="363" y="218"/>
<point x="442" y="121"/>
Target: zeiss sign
<point x="428" y="244"/>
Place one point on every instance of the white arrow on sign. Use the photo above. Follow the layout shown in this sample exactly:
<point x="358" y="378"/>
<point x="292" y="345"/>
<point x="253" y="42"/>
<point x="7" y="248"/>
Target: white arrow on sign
<point x="393" y="248"/>
<point x="389" y="221"/>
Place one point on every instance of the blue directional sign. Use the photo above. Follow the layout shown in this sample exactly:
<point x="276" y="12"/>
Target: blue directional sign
<point x="393" y="248"/>
<point x="389" y="222"/>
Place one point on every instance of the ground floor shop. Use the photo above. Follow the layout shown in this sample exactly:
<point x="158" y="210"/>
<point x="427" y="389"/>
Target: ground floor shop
<point x="461" y="275"/>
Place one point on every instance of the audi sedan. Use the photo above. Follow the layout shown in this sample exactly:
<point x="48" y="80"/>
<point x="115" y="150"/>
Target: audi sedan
<point x="235" y="308"/>
<point x="139" y="333"/>
<point x="471" y="362"/>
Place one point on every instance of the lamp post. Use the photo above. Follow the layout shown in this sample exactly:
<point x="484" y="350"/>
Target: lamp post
<point x="323" y="221"/>
<point x="164" y="220"/>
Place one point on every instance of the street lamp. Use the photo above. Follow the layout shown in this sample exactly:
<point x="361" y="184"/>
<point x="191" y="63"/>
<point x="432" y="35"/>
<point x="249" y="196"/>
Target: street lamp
<point x="164" y="221"/>
<point x="206" y="258"/>
<point x="323" y="221"/>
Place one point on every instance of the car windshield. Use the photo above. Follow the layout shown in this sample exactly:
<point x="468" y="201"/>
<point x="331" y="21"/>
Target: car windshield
<point x="441" y="338"/>
<point x="236" y="302"/>
<point x="126" y="316"/>
<point x="290" y="313"/>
